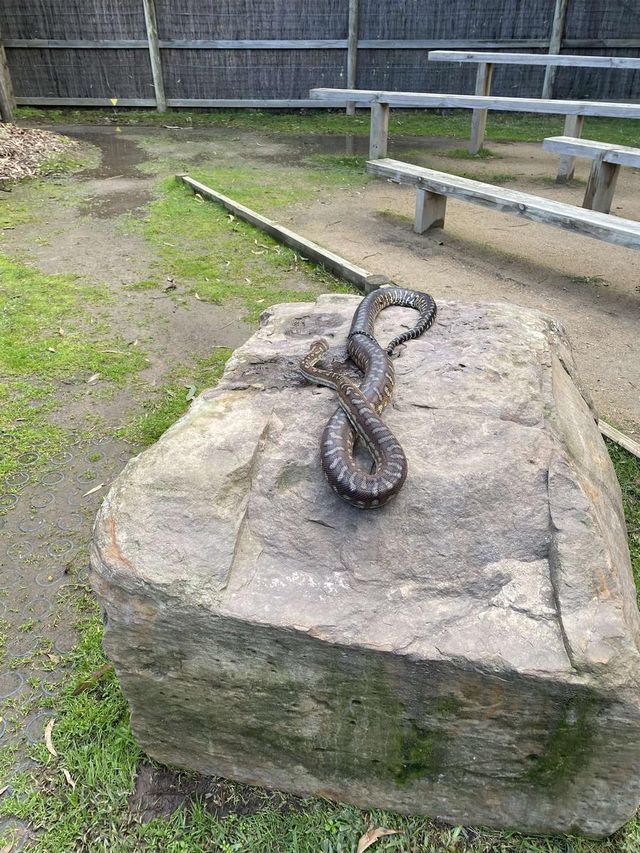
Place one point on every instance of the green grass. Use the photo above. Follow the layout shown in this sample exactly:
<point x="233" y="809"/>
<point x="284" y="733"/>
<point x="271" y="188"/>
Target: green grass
<point x="628" y="471"/>
<point x="95" y="745"/>
<point x="69" y="161"/>
<point x="456" y="123"/>
<point x="463" y="154"/>
<point x="47" y="341"/>
<point x="588" y="279"/>
<point x="497" y="178"/>
<point x="172" y="399"/>
<point x="223" y="259"/>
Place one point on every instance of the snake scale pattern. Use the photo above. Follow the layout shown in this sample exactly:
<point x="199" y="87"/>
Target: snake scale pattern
<point x="361" y="406"/>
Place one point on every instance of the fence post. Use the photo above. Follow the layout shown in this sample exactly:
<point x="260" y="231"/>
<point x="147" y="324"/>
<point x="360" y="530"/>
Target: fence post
<point x="154" y="54"/>
<point x="7" y="101"/>
<point x="352" y="53"/>
<point x="555" y="45"/>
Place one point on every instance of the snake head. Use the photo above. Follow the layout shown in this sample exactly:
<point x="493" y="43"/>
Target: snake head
<point x="316" y="351"/>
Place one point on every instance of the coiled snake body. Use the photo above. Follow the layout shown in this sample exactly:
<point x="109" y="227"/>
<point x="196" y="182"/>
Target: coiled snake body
<point x="361" y="406"/>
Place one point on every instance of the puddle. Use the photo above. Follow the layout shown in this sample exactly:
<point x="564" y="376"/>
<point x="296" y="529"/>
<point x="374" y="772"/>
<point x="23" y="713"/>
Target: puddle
<point x="116" y="185"/>
<point x="120" y="155"/>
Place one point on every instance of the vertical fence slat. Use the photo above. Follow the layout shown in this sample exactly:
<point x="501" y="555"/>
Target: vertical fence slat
<point x="555" y="45"/>
<point x="154" y="54"/>
<point x="7" y="100"/>
<point x="352" y="52"/>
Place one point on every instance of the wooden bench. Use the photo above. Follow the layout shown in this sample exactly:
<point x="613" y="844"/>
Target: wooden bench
<point x="433" y="188"/>
<point x="607" y="159"/>
<point x="380" y="101"/>
<point x="486" y="60"/>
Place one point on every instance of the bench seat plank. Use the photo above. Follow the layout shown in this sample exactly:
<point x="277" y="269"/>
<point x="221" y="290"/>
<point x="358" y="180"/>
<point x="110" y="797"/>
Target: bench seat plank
<point x="601" y="226"/>
<point x="574" y="60"/>
<point x="436" y="100"/>
<point x="620" y="155"/>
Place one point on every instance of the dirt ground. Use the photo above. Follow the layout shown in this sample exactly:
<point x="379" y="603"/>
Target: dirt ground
<point x="592" y="287"/>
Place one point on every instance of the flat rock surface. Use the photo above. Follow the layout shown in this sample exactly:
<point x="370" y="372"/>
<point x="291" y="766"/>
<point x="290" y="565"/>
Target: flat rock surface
<point x="468" y="651"/>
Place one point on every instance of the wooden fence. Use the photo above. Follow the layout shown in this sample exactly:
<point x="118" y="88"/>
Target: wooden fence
<point x="218" y="53"/>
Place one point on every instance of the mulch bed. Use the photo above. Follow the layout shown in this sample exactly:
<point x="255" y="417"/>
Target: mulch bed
<point x="23" y="150"/>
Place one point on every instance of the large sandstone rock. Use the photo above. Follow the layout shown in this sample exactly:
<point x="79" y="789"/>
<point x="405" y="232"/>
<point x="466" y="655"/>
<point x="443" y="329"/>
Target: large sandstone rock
<point x="470" y="651"/>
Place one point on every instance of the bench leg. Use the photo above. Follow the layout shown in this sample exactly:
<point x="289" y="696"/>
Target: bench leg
<point x="601" y="187"/>
<point x="430" y="211"/>
<point x="479" y="117"/>
<point x="572" y="127"/>
<point x="379" y="134"/>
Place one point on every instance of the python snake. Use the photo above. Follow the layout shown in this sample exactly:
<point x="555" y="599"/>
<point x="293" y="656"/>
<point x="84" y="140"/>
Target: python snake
<point x="361" y="406"/>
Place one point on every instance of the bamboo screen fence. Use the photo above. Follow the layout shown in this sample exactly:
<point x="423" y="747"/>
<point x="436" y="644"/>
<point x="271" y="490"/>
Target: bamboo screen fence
<point x="271" y="52"/>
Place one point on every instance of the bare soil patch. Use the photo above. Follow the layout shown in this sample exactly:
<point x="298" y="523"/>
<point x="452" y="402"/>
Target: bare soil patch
<point x="159" y="792"/>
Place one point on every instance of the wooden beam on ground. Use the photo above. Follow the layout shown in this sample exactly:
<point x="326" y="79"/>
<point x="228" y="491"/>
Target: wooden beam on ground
<point x="154" y="54"/>
<point x="555" y="44"/>
<point x="352" y="52"/>
<point x="620" y="438"/>
<point x="479" y="117"/>
<point x="7" y="100"/>
<point x="366" y="281"/>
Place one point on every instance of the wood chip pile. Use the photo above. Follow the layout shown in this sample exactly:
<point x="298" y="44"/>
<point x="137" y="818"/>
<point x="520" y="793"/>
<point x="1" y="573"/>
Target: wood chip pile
<point x="23" y="150"/>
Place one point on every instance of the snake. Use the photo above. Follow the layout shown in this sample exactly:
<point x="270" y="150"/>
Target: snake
<point x="361" y="406"/>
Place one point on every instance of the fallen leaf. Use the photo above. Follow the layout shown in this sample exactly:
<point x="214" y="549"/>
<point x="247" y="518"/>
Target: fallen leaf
<point x="68" y="777"/>
<point x="132" y="343"/>
<point x="55" y="659"/>
<point x="61" y="332"/>
<point x="197" y="296"/>
<point x="191" y="392"/>
<point x="47" y="737"/>
<point x="93" y="378"/>
<point x="114" y="101"/>
<point x="51" y="349"/>
<point x="371" y="836"/>
<point x="94" y="489"/>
